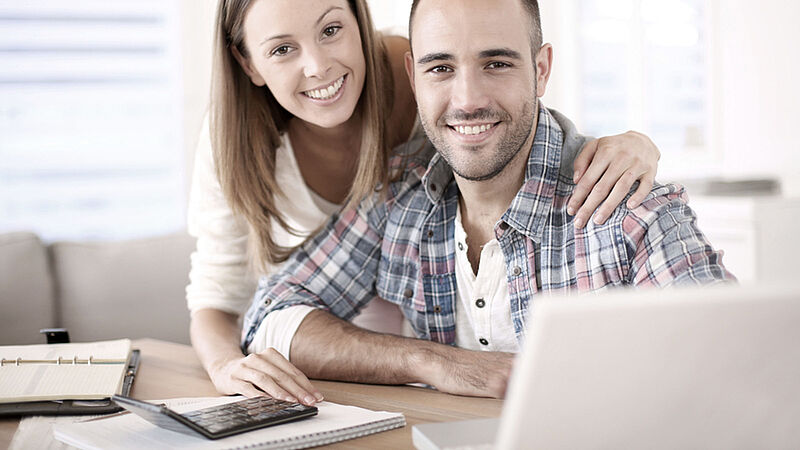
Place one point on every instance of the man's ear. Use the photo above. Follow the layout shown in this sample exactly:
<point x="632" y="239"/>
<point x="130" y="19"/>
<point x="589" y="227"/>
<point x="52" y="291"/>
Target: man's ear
<point x="544" y="67"/>
<point x="244" y="63"/>
<point x="410" y="71"/>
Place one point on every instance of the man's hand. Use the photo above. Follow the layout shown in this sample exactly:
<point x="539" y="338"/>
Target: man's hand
<point x="465" y="372"/>
<point x="267" y="371"/>
<point x="606" y="169"/>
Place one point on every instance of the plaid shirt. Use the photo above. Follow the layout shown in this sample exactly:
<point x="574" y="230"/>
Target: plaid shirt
<point x="402" y="248"/>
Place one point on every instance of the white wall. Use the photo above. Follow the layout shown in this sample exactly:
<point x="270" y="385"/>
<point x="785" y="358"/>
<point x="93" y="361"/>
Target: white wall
<point x="558" y="19"/>
<point x="391" y="15"/>
<point x="758" y="97"/>
<point x="198" y="32"/>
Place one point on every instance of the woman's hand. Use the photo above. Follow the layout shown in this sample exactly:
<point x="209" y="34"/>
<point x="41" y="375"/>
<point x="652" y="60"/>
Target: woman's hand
<point x="267" y="371"/>
<point x="215" y="337"/>
<point x="606" y="169"/>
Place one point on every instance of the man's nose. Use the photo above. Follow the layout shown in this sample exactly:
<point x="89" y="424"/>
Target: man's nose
<point x="469" y="92"/>
<point x="316" y="62"/>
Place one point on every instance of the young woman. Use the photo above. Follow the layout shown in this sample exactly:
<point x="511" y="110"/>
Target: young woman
<point x="307" y="103"/>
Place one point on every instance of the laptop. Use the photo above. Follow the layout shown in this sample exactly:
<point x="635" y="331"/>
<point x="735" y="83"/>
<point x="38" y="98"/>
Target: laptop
<point x="677" y="368"/>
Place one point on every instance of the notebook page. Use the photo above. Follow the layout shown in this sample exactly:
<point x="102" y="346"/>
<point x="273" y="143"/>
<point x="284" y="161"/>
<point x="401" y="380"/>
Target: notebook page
<point x="129" y="431"/>
<point x="51" y="381"/>
<point x="37" y="431"/>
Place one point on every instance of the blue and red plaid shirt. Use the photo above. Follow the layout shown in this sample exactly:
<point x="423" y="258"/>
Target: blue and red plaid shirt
<point x="402" y="247"/>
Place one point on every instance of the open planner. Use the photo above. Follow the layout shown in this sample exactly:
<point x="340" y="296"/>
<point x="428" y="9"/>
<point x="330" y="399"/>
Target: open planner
<point x="39" y="378"/>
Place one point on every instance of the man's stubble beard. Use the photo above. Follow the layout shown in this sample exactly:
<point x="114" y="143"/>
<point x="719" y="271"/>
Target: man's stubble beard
<point x="507" y="149"/>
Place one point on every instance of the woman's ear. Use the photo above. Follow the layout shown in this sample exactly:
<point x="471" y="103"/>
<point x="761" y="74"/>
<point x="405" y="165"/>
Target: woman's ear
<point x="247" y="67"/>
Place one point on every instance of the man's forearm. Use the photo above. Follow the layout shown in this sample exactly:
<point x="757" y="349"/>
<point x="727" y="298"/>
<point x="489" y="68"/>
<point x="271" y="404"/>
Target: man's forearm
<point x="326" y="347"/>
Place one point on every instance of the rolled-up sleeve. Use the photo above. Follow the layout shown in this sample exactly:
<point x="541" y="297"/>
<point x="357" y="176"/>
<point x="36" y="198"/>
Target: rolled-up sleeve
<point x="334" y="271"/>
<point x="278" y="329"/>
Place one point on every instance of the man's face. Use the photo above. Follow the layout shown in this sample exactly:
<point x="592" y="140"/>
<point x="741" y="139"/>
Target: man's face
<point x="474" y="78"/>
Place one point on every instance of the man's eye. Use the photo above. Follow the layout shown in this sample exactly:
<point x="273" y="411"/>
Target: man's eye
<point x="282" y="50"/>
<point x="498" y="65"/>
<point x="440" y="69"/>
<point x="330" y="31"/>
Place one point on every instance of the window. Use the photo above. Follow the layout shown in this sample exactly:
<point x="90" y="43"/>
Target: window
<point x="644" y="65"/>
<point x="390" y="16"/>
<point x="91" y="118"/>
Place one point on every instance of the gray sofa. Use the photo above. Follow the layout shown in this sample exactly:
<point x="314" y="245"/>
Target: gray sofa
<point x="97" y="290"/>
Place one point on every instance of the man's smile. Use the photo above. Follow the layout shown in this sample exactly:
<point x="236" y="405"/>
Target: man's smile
<point x="472" y="129"/>
<point x="473" y="133"/>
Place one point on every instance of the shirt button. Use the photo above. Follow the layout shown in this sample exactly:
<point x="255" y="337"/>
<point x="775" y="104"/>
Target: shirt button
<point x="483" y="341"/>
<point x="430" y="233"/>
<point x="503" y="226"/>
<point x="517" y="271"/>
<point x="433" y="187"/>
<point x="267" y="302"/>
<point x="480" y="303"/>
<point x="437" y="309"/>
<point x="408" y="293"/>
<point x="461" y="246"/>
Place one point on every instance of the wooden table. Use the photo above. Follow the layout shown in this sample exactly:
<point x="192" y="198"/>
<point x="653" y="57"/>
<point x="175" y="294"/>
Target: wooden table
<point x="172" y="370"/>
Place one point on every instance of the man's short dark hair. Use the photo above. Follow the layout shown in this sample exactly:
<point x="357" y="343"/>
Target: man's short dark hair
<point x="532" y="6"/>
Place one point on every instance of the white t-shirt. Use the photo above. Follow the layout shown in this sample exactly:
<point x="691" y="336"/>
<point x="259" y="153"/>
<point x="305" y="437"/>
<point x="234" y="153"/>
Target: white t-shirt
<point x="483" y="310"/>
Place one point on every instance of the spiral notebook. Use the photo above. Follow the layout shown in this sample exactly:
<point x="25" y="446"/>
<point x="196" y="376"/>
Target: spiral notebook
<point x="333" y="423"/>
<point x="56" y="372"/>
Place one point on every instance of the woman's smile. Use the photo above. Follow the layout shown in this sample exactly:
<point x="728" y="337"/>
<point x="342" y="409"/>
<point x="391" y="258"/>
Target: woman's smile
<point x="328" y="92"/>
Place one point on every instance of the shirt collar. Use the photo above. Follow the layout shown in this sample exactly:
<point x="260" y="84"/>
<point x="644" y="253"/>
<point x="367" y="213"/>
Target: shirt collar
<point x="530" y="208"/>
<point x="437" y="177"/>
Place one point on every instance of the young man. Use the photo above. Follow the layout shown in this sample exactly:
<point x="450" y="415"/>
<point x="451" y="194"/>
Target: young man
<point x="473" y="230"/>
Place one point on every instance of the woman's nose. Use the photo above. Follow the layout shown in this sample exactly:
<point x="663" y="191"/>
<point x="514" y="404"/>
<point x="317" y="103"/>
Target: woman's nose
<point x="316" y="63"/>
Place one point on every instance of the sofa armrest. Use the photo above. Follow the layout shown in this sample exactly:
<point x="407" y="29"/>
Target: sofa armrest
<point x="27" y="303"/>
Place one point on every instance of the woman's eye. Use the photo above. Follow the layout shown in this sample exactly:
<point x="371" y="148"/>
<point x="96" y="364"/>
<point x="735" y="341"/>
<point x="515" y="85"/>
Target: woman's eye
<point x="330" y="31"/>
<point x="280" y="51"/>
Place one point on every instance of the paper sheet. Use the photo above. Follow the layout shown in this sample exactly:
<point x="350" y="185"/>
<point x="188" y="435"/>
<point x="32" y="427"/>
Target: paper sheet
<point x="36" y="432"/>
<point x="132" y="432"/>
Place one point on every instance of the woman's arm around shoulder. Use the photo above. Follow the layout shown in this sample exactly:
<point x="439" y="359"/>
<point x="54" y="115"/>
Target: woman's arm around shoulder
<point x="606" y="170"/>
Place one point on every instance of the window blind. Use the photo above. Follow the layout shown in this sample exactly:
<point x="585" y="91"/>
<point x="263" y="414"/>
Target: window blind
<point x="91" y="118"/>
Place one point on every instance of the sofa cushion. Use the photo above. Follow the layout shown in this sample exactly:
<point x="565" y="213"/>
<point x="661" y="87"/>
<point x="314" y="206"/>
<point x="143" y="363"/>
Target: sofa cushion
<point x="130" y="289"/>
<point x="26" y="290"/>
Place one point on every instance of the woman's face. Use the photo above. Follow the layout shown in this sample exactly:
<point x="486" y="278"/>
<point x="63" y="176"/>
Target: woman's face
<point x="308" y="53"/>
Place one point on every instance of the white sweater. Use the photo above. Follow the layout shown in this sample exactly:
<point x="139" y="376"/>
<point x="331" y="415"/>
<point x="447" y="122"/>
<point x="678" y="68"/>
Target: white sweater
<point x="220" y="277"/>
